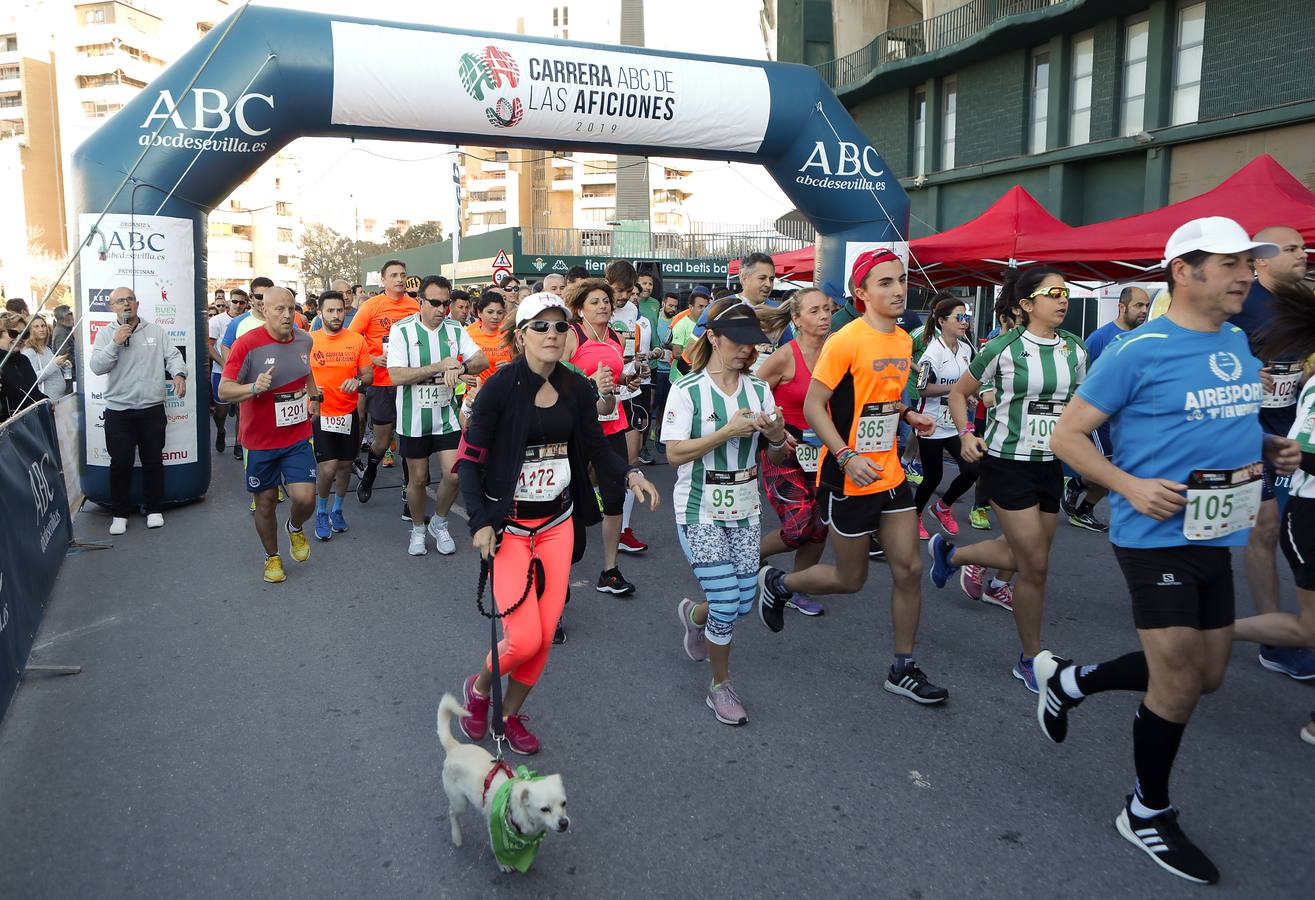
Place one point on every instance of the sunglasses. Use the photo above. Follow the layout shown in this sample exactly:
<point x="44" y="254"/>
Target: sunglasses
<point x="14" y="333"/>
<point x="1054" y="293"/>
<point x="962" y="317"/>
<point x="540" y="327"/>
<point x="442" y="303"/>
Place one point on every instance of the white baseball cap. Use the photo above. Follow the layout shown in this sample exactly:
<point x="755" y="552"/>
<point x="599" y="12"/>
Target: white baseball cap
<point x="534" y="304"/>
<point x="1214" y="234"/>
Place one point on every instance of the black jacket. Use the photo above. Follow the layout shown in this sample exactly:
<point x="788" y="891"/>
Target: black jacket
<point x="18" y="385"/>
<point x="493" y="446"/>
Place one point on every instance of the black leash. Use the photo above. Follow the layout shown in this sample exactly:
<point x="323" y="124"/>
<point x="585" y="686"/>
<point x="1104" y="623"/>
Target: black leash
<point x="495" y="686"/>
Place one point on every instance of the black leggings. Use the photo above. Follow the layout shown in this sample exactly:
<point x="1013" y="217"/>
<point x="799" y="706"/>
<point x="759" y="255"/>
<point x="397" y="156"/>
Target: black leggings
<point x="932" y="453"/>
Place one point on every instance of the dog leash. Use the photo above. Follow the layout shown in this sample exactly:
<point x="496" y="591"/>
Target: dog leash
<point x="495" y="692"/>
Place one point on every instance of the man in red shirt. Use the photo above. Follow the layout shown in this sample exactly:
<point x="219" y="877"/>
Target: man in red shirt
<point x="373" y="320"/>
<point x="268" y="371"/>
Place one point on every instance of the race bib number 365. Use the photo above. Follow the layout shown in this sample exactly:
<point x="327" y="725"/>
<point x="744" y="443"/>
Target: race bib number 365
<point x="878" y="423"/>
<point x="1221" y="501"/>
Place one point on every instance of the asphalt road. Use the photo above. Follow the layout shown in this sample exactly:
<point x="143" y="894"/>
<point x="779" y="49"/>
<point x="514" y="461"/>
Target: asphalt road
<point x="232" y="738"/>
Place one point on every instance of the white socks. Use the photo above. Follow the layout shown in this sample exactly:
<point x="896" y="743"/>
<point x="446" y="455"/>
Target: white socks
<point x="626" y="509"/>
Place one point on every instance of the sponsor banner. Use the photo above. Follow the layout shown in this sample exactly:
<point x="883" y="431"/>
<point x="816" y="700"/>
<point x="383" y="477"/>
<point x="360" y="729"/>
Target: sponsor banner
<point x="68" y="428"/>
<point x="152" y="255"/>
<point x="36" y="535"/>
<point x="679" y="269"/>
<point x="502" y="86"/>
<point x="835" y="165"/>
<point x="205" y="118"/>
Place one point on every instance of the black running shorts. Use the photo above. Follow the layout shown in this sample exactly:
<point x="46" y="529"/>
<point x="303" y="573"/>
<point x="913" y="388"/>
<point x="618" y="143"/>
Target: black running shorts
<point x="381" y="404"/>
<point x="334" y="445"/>
<point x="427" y="444"/>
<point x="1296" y="535"/>
<point x="1015" y="484"/>
<point x="1191" y="587"/>
<point x="861" y="514"/>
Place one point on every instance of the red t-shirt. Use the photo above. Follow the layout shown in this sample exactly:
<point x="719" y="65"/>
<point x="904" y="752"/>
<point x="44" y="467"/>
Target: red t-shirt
<point x="278" y="417"/>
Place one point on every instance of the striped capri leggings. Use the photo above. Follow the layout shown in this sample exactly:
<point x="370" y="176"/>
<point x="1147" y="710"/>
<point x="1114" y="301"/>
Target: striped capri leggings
<point x="725" y="561"/>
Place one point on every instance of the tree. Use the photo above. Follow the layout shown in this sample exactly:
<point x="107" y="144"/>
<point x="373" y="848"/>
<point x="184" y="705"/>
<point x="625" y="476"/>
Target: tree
<point x="326" y="255"/>
<point x="416" y="236"/>
<point x="44" y="268"/>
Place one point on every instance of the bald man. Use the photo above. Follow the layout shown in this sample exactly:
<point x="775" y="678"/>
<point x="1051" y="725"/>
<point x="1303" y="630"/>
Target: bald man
<point x="1277" y="413"/>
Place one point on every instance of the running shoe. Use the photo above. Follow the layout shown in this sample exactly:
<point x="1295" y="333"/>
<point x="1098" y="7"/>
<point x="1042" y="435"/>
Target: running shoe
<point x="299" y="548"/>
<point x="922" y="530"/>
<point x="1024" y="670"/>
<point x="914" y="685"/>
<point x="696" y="647"/>
<point x="365" y="487"/>
<point x="1295" y="662"/>
<point x="939" y="549"/>
<point x="476" y="725"/>
<point x="274" y="569"/>
<point x="416" y="543"/>
<point x="358" y="467"/>
<point x="252" y="508"/>
<point x="1160" y="838"/>
<point x="645" y="457"/>
<point x="611" y="581"/>
<point x="336" y="521"/>
<point x="237" y="452"/>
<point x="772" y="597"/>
<point x="1072" y="495"/>
<point x="1308" y="732"/>
<point x="220" y="443"/>
<point x="1084" y="518"/>
<point x="1001" y="595"/>
<point x="970" y="579"/>
<point x="725" y="704"/>
<point x="282" y="496"/>
<point x="406" y="510"/>
<point x="913" y="472"/>
<point x="805" y="604"/>
<point x="629" y="543"/>
<point x="389" y="460"/>
<point x="323" y="530"/>
<point x="519" y="738"/>
<point x="1052" y="704"/>
<point x="119" y="524"/>
<point x="875" y="550"/>
<point x="979" y="518"/>
<point x="559" y="634"/>
<point x="442" y="539"/>
<point x="945" y="515"/>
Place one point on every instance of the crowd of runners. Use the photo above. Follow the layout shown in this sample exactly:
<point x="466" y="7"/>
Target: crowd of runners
<point x="543" y="404"/>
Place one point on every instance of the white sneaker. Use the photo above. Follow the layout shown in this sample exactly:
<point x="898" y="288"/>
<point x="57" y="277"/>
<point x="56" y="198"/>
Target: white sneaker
<point x="417" y="546"/>
<point x="438" y="529"/>
<point x="118" y="526"/>
<point x="155" y="520"/>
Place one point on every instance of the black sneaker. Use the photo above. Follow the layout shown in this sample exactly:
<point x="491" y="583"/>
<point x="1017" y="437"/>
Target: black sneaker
<point x="1163" y="841"/>
<point x="220" y="442"/>
<point x="365" y="487"/>
<point x="358" y="467"/>
<point x="874" y="548"/>
<point x="1052" y="704"/>
<point x="914" y="685"/>
<point x="559" y="634"/>
<point x="406" y="511"/>
<point x="611" y="581"/>
<point x="1068" y="500"/>
<point x="772" y="598"/>
<point x="237" y="452"/>
<point x="1083" y="518"/>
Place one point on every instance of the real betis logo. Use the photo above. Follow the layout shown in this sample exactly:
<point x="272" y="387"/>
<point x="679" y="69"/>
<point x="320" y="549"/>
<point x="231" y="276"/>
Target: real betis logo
<point x="484" y="75"/>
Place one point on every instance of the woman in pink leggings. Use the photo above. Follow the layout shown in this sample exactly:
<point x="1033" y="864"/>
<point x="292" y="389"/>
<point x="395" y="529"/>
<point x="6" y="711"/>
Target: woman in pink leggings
<point x="523" y="467"/>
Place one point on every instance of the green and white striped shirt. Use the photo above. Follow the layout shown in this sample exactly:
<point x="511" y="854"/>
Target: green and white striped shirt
<point x="1025" y="370"/>
<point x="1303" y="432"/>
<point x="696" y="408"/>
<point x="430" y="407"/>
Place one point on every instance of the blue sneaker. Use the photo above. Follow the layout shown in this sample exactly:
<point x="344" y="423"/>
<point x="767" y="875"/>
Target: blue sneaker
<point x="805" y="604"/>
<point x="1294" y="662"/>
<point x="1023" y="672"/>
<point x="322" y="530"/>
<point x="941" y="568"/>
<point x="913" y="472"/>
<point x="336" y="521"/>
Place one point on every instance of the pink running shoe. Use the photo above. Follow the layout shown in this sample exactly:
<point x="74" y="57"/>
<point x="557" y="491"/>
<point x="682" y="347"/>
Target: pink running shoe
<point x="519" y="737"/>
<point x="970" y="579"/>
<point x="945" y="516"/>
<point x="922" y="531"/>
<point x="477" y="725"/>
<point x="1003" y="596"/>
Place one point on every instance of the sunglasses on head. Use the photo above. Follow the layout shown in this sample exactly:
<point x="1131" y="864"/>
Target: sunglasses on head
<point x="1054" y="293"/>
<point x="541" y="327"/>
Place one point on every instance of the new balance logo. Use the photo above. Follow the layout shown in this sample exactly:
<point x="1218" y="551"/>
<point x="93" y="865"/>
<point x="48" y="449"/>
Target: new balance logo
<point x="1168" y="579"/>
<point x="269" y="361"/>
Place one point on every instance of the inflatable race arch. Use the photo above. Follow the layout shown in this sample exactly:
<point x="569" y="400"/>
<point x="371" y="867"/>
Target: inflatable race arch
<point x="147" y="179"/>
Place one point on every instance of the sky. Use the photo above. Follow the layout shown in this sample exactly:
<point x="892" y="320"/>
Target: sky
<point x="340" y="178"/>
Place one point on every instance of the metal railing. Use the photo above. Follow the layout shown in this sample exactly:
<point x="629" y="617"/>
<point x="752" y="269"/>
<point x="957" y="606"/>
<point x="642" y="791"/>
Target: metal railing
<point x="698" y="243"/>
<point x="929" y="35"/>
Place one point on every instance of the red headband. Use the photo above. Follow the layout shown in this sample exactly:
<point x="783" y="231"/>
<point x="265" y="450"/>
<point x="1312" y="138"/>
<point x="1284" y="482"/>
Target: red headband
<point x="865" y="263"/>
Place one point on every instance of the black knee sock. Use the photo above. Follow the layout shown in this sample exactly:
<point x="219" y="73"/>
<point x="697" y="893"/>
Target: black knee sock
<point x="1154" y="745"/>
<point x="371" y="460"/>
<point x="1127" y="673"/>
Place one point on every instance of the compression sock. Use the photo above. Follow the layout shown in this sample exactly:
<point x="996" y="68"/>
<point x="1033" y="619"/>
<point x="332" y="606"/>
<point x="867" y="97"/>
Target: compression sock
<point x="1127" y="673"/>
<point x="372" y="461"/>
<point x="626" y="509"/>
<point x="1154" y="745"/>
<point x="337" y="502"/>
<point x="321" y="504"/>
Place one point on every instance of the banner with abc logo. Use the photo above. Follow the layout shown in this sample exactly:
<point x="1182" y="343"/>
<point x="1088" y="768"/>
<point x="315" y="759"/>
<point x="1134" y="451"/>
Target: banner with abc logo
<point x="36" y="533"/>
<point x="153" y="256"/>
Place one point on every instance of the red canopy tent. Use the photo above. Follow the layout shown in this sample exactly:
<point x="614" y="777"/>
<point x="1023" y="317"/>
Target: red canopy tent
<point x="792" y="264"/>
<point x="1260" y="194"/>
<point x="980" y="249"/>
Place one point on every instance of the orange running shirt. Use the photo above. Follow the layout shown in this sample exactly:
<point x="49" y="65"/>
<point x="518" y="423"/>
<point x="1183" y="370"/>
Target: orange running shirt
<point x="491" y="344"/>
<point x="333" y="359"/>
<point x="372" y="321"/>
<point x="866" y="371"/>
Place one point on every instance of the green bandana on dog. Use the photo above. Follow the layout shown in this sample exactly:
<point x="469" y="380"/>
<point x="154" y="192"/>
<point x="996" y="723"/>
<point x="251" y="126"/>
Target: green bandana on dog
<point x="510" y="847"/>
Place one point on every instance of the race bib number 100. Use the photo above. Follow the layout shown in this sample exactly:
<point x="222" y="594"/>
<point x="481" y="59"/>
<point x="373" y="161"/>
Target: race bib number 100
<point x="1042" y="417"/>
<point x="1221" y="501"/>
<point x="878" y="424"/>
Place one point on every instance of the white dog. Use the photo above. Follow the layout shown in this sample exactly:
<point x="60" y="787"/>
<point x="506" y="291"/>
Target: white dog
<point x="520" y="808"/>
